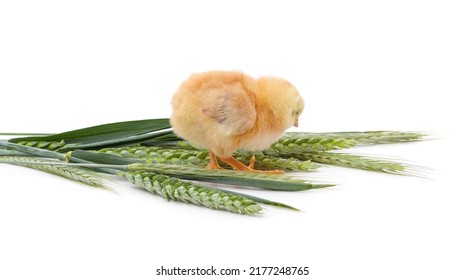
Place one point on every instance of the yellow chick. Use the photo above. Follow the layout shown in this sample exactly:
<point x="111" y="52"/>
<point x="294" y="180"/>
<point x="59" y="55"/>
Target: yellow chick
<point x="226" y="111"/>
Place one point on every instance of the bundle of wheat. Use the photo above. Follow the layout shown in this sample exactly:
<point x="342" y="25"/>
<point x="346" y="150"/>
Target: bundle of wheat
<point x="148" y="154"/>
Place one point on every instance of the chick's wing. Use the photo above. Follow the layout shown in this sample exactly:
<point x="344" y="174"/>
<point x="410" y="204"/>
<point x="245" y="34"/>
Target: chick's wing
<point x="232" y="108"/>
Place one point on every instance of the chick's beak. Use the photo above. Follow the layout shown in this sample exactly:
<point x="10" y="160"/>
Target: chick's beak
<point x="296" y="122"/>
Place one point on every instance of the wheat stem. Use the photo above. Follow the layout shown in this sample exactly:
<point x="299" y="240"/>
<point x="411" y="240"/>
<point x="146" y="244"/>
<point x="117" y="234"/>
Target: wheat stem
<point x="31" y="150"/>
<point x="8" y="152"/>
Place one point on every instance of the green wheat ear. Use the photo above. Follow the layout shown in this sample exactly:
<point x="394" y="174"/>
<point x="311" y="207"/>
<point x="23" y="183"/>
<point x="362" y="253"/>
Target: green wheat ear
<point x="201" y="158"/>
<point x="76" y="174"/>
<point x="369" y="163"/>
<point x="187" y="192"/>
<point x="362" y="137"/>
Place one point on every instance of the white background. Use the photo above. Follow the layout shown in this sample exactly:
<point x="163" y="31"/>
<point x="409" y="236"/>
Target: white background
<point x="360" y="65"/>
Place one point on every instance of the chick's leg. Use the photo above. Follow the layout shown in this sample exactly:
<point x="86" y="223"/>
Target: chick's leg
<point x="213" y="164"/>
<point x="237" y="165"/>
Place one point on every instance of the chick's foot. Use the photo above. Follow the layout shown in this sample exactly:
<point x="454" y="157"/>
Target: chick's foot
<point x="213" y="164"/>
<point x="239" y="166"/>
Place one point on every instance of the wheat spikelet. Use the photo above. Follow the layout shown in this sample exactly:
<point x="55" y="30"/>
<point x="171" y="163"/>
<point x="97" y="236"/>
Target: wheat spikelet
<point x="52" y="146"/>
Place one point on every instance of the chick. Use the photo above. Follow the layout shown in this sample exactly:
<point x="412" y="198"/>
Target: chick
<point x="226" y="111"/>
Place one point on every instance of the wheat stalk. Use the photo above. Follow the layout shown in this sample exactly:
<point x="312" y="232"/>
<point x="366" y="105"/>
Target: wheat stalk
<point x="369" y="163"/>
<point x="201" y="158"/>
<point x="174" y="161"/>
<point x="364" y="137"/>
<point x="8" y="152"/>
<point x="77" y="174"/>
<point x="187" y="192"/>
<point x="259" y="180"/>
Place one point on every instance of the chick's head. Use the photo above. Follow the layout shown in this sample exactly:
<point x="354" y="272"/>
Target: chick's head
<point x="282" y="100"/>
